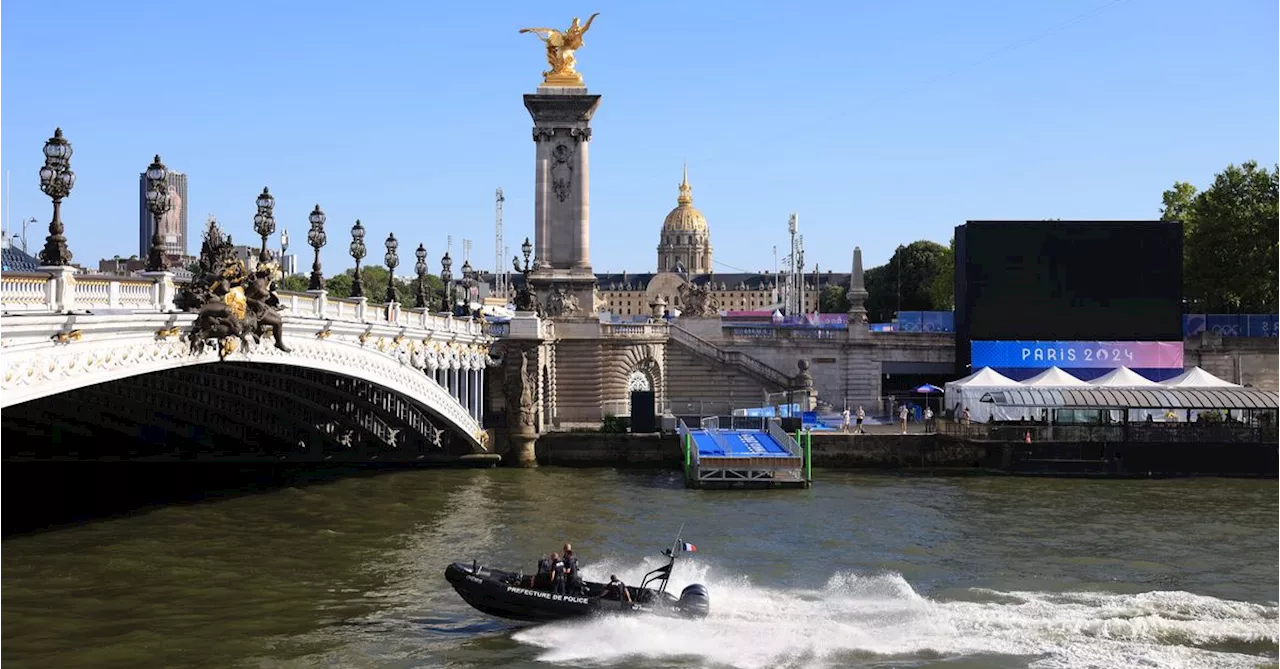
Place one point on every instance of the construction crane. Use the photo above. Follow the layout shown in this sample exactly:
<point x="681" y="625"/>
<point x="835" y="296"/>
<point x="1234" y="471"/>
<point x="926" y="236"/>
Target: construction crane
<point x="499" y="251"/>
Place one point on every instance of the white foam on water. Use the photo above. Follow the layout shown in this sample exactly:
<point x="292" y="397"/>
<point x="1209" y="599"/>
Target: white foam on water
<point x="867" y="615"/>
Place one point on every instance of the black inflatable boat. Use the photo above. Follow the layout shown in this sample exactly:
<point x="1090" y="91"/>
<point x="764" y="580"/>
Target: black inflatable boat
<point x="514" y="595"/>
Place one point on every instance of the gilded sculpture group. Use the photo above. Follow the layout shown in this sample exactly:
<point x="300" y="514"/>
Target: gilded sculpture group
<point x="233" y="304"/>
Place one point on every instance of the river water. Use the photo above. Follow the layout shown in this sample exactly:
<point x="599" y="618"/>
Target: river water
<point x="860" y="570"/>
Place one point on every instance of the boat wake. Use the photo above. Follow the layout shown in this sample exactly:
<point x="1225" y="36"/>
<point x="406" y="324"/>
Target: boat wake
<point x="859" y="618"/>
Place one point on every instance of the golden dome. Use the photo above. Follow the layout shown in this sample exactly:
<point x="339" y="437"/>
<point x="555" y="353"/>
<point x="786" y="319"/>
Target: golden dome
<point x="685" y="218"/>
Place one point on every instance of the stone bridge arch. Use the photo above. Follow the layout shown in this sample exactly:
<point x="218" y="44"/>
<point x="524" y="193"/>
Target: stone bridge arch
<point x="344" y="384"/>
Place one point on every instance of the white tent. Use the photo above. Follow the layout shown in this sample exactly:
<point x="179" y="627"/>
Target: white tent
<point x="1054" y="378"/>
<point x="968" y="392"/>
<point x="1197" y="378"/>
<point x="1123" y="377"/>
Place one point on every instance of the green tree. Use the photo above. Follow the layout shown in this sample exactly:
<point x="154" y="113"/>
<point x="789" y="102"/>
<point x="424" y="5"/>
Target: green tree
<point x="918" y="263"/>
<point x="1230" y="239"/>
<point x="374" y="280"/>
<point x="834" y="299"/>
<point x="294" y="282"/>
<point x="942" y="288"/>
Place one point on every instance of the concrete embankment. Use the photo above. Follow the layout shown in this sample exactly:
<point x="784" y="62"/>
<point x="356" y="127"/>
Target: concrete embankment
<point x="832" y="451"/>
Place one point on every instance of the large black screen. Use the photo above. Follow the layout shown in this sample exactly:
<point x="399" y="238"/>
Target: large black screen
<point x="1068" y="281"/>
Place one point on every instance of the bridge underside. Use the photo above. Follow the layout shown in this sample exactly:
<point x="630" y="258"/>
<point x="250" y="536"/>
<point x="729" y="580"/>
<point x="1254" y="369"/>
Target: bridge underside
<point x="233" y="412"/>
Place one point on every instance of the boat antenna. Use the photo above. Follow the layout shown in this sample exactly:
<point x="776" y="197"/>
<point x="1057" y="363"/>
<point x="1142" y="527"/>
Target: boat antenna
<point x="671" y="562"/>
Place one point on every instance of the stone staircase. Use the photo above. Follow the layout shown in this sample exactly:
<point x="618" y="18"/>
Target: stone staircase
<point x="741" y="361"/>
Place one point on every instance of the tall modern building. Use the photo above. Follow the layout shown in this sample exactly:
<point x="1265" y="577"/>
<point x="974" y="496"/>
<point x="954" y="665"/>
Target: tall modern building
<point x="173" y="225"/>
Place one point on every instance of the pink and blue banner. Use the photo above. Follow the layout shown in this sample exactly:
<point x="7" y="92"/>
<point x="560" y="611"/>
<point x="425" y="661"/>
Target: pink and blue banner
<point x="1077" y="354"/>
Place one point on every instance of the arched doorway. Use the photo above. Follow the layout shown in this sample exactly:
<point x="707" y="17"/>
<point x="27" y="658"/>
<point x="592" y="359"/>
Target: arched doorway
<point x="642" y="402"/>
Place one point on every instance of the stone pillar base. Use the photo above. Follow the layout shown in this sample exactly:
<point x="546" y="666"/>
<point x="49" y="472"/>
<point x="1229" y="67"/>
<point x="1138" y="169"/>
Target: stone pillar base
<point x="520" y="448"/>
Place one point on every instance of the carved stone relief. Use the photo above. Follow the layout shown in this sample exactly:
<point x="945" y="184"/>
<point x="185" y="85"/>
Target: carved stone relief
<point x="561" y="171"/>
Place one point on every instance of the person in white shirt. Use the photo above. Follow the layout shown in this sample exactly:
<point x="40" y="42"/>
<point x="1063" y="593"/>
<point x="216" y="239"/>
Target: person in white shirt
<point x="862" y="415"/>
<point x="844" y="420"/>
<point x="902" y="415"/>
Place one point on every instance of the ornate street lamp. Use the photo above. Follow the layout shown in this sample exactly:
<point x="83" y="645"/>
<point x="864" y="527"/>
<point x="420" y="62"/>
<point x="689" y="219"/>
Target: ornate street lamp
<point x="357" y="252"/>
<point x="446" y="277"/>
<point x="525" y="299"/>
<point x="468" y="280"/>
<point x="56" y="181"/>
<point x="420" y="299"/>
<point x="264" y="223"/>
<point x="159" y="204"/>
<point x="316" y="238"/>
<point x="393" y="260"/>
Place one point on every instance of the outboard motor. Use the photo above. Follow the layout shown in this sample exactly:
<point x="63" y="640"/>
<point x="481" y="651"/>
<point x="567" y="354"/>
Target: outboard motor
<point x="695" y="602"/>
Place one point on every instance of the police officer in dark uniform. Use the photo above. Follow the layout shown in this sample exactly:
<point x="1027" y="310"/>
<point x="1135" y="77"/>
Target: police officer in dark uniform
<point x="544" y="571"/>
<point x="557" y="574"/>
<point x="571" y="571"/>
<point x="616" y="589"/>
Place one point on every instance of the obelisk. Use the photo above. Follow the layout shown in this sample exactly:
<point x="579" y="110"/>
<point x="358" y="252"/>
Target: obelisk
<point x="857" y="295"/>
<point x="561" y="110"/>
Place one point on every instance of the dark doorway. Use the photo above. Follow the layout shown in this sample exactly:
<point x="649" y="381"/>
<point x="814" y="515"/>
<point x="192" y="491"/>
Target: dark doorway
<point x="642" y="412"/>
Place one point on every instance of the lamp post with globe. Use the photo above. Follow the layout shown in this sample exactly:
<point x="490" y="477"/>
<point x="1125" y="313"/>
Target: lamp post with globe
<point x="357" y="251"/>
<point x="446" y="277"/>
<point x="316" y="238"/>
<point x="56" y="181"/>
<point x="264" y="223"/>
<point x="159" y="204"/>
<point x="420" y="267"/>
<point x="393" y="260"/>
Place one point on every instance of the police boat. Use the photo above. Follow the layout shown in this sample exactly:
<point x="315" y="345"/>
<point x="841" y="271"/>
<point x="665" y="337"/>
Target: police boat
<point x="514" y="595"/>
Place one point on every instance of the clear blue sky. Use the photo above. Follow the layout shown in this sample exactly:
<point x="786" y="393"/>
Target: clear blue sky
<point x="880" y="123"/>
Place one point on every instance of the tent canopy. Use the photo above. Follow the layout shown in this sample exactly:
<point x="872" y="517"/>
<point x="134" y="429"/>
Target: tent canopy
<point x="1123" y="377"/>
<point x="985" y="378"/>
<point x="1134" y="398"/>
<point x="1055" y="378"/>
<point x="926" y="388"/>
<point x="1197" y="378"/>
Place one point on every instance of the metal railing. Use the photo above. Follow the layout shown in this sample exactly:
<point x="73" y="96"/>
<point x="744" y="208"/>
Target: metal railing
<point x="1179" y="433"/>
<point x="741" y="360"/>
<point x="711" y="425"/>
<point x="787" y="441"/>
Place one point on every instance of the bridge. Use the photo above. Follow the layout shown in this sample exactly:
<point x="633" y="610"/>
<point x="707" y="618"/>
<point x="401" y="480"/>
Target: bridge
<point x="91" y="361"/>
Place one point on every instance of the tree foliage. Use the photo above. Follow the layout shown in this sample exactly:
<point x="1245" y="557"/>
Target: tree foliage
<point x="920" y="265"/>
<point x="374" y="280"/>
<point x="1230" y="239"/>
<point x="833" y="299"/>
<point x="942" y="288"/>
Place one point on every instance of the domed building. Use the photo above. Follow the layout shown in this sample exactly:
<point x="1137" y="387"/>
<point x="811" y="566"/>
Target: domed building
<point x="684" y="246"/>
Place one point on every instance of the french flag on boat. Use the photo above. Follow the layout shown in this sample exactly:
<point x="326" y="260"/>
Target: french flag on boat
<point x="688" y="547"/>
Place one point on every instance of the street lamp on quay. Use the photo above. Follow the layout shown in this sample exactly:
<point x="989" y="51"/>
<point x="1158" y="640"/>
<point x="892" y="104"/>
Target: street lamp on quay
<point x="446" y="277"/>
<point x="393" y="260"/>
<point x="56" y="181"/>
<point x="420" y="267"/>
<point x="316" y="238"/>
<point x="264" y="223"/>
<point x="159" y="204"/>
<point x="357" y="252"/>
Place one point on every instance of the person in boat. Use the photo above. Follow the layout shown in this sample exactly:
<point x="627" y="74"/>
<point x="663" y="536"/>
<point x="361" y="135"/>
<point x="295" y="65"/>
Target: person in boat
<point x="574" y="584"/>
<point x="557" y="574"/>
<point x="616" y="589"/>
<point x="544" y="569"/>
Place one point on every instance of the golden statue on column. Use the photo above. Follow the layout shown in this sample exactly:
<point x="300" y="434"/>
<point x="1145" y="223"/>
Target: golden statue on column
<point x="560" y="48"/>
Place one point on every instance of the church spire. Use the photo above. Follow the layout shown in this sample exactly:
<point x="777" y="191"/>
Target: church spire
<point x="686" y="191"/>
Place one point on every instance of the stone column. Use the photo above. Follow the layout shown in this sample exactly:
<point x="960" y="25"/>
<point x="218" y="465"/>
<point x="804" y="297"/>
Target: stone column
<point x="562" y="135"/>
<point x="480" y="397"/>
<point x="857" y="297"/>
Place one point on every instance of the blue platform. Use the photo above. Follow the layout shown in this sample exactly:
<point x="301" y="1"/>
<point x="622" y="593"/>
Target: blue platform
<point x="740" y="443"/>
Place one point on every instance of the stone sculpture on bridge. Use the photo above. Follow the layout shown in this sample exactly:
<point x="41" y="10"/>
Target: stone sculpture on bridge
<point x="698" y="301"/>
<point x="520" y="388"/>
<point x="233" y="305"/>
<point x="560" y="303"/>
